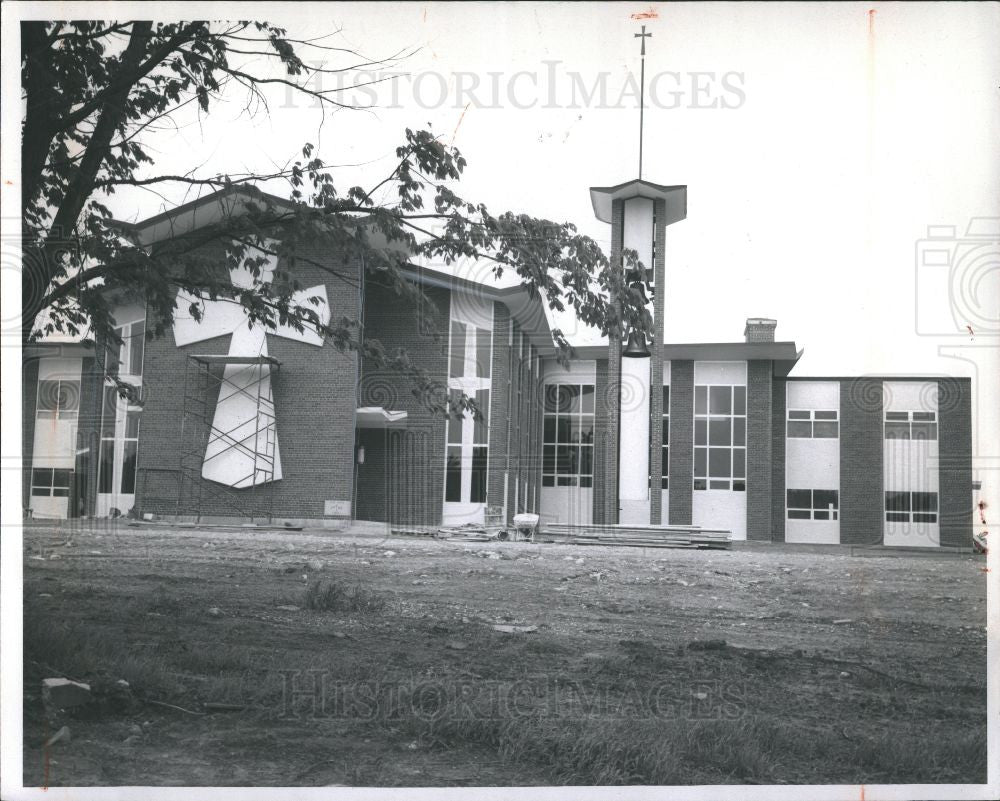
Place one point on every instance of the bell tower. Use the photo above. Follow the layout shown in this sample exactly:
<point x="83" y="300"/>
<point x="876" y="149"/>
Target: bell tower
<point x="639" y="212"/>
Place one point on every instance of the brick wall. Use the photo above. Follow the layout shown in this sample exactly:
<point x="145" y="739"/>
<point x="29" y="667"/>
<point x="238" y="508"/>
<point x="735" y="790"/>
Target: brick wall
<point x="778" y="460"/>
<point x="759" y="451"/>
<point x="314" y="395"/>
<point x="656" y="368"/>
<point x="500" y="411"/>
<point x="861" y="493"/>
<point x="416" y="471"/>
<point x="535" y="421"/>
<point x="88" y="437"/>
<point x="612" y="434"/>
<point x="525" y="420"/>
<point x="955" y="451"/>
<point x="600" y="440"/>
<point x="681" y="441"/>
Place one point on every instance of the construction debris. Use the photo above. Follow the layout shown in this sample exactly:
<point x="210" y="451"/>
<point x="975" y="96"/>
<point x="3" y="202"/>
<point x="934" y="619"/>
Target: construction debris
<point x="639" y="536"/>
<point x="467" y="532"/>
<point x="61" y="735"/>
<point x="707" y="645"/>
<point x="58" y="693"/>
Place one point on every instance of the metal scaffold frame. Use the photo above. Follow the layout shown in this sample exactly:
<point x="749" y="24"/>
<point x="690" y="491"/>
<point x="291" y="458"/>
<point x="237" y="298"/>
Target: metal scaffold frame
<point x="207" y="372"/>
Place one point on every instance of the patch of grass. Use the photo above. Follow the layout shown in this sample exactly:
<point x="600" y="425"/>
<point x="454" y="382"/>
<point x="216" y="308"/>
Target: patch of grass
<point x="71" y="651"/>
<point x="330" y="596"/>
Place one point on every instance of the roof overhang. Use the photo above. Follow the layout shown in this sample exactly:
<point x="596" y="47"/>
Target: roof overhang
<point x="675" y="198"/>
<point x="783" y="355"/>
<point x="204" y="211"/>
<point x="378" y="417"/>
<point x="43" y="349"/>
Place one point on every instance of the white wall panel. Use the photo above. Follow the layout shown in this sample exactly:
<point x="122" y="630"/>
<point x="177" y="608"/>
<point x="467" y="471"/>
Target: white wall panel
<point x="812" y="463"/>
<point x="734" y="373"/>
<point x="567" y="505"/>
<point x="720" y="509"/>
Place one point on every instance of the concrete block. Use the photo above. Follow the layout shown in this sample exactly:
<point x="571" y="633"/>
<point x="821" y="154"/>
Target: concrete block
<point x="64" y="694"/>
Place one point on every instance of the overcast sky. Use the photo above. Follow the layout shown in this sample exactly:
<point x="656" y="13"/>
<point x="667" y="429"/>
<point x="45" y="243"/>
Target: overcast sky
<point x="818" y="143"/>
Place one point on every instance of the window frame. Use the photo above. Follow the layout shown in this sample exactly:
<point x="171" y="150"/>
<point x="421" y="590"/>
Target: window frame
<point x="49" y="483"/>
<point x="133" y="340"/>
<point x="58" y="412"/>
<point x="553" y="472"/>
<point x="706" y="482"/>
<point x="904" y="421"/>
<point x="811" y="418"/>
<point x="665" y="440"/>
<point x="811" y="512"/>
<point x="469" y="454"/>
<point x="911" y="513"/>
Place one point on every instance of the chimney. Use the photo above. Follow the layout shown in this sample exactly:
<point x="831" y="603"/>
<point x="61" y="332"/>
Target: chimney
<point x="760" y="329"/>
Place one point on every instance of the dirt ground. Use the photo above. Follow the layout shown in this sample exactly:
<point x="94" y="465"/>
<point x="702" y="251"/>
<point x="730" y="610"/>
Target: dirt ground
<point x="838" y="666"/>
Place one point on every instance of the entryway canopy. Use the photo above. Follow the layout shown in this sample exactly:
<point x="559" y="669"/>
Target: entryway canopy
<point x="378" y="417"/>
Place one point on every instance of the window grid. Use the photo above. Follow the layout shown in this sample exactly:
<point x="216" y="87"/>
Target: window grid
<point x="568" y="436"/>
<point x="111" y="433"/>
<point x="812" y="504"/>
<point x="48" y="482"/>
<point x="664" y="483"/>
<point x="57" y="399"/>
<point x="129" y="356"/>
<point x="911" y="425"/>
<point x="911" y="507"/>
<point x="813" y="424"/>
<point x="720" y="424"/>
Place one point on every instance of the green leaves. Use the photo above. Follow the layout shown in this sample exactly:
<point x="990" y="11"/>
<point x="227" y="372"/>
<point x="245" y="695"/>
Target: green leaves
<point x="73" y="71"/>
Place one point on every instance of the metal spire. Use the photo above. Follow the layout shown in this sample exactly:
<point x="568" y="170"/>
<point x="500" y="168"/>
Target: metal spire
<point x="642" y="87"/>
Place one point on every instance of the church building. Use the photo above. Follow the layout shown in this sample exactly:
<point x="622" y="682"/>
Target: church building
<point x="253" y="425"/>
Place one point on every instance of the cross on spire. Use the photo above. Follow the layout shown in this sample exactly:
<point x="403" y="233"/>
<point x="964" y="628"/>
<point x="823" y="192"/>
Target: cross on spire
<point x="642" y="37"/>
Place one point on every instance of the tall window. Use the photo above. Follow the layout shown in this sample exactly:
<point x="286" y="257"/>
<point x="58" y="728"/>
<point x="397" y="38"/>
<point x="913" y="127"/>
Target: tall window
<point x="470" y="351"/>
<point x="911" y="425"/>
<point x="813" y="424"/>
<point x="568" y="436"/>
<point x="911" y="507"/>
<point x="666" y="436"/>
<point x="127" y="357"/>
<point x="467" y="448"/>
<point x="720" y="437"/>
<point x="58" y="399"/>
<point x="119" y="434"/>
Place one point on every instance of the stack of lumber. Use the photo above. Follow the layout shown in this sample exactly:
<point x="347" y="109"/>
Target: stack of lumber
<point x="468" y="532"/>
<point x="639" y="536"/>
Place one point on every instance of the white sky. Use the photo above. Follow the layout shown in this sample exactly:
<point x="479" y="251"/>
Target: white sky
<point x="806" y="200"/>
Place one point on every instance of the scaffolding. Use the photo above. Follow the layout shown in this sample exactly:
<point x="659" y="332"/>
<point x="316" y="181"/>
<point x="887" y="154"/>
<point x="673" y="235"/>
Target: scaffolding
<point x="205" y="376"/>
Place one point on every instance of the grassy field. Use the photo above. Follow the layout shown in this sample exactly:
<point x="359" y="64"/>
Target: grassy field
<point x="357" y="659"/>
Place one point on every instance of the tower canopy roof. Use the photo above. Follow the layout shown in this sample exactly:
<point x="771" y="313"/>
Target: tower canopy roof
<point x="675" y="197"/>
